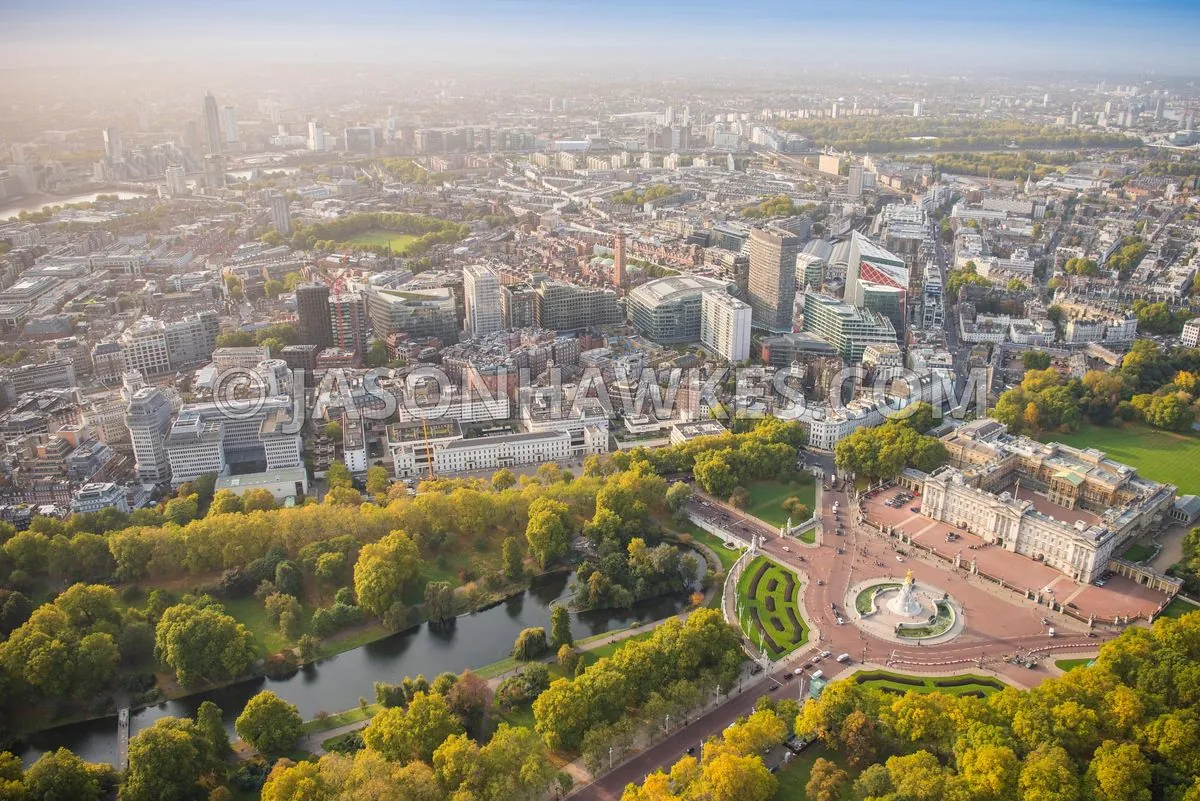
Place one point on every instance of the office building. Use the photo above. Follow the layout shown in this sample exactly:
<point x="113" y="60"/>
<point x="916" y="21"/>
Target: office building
<point x="419" y="449"/>
<point x="855" y="188"/>
<point x="772" y="286"/>
<point x="876" y="280"/>
<point x="148" y="418"/>
<point x="313" y="326"/>
<point x="281" y="213"/>
<point x="668" y="310"/>
<point x="283" y="484"/>
<point x="849" y="329"/>
<point x="176" y="180"/>
<point x="250" y="436"/>
<point x="214" y="171"/>
<point x="94" y="497"/>
<point x="518" y="306"/>
<point x="316" y="137"/>
<point x="212" y="125"/>
<point x="419" y="314"/>
<point x="112" y="144"/>
<point x="560" y="306"/>
<point x="725" y="325"/>
<point x="152" y="346"/>
<point x="810" y="271"/>
<point x="363" y="140"/>
<point x="145" y="346"/>
<point x="481" y="293"/>
<point x="231" y="130"/>
<point x="348" y="322"/>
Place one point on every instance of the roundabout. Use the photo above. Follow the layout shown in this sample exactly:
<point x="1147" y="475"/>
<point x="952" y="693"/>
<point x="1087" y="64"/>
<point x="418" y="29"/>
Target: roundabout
<point x="903" y="611"/>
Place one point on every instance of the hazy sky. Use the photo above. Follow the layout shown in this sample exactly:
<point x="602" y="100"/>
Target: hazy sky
<point x="904" y="35"/>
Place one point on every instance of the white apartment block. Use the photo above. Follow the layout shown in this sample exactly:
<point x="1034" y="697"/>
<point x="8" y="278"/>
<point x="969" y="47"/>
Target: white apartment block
<point x="481" y="294"/>
<point x="94" y="497"/>
<point x="1191" y="333"/>
<point x="211" y="438"/>
<point x="725" y="326"/>
<point x="148" y="419"/>
<point x="451" y="453"/>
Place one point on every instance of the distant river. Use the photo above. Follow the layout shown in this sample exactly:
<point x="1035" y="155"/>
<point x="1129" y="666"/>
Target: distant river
<point x="51" y="200"/>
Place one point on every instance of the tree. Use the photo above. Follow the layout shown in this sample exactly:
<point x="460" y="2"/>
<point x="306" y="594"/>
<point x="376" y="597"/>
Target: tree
<point x="212" y="729"/>
<point x="62" y="775"/>
<point x="203" y="644"/>
<point x="503" y="479"/>
<point x="796" y="509"/>
<point x="167" y="761"/>
<point x="284" y="611"/>
<point x="258" y="500"/>
<point x="273" y="288"/>
<point x="678" y="494"/>
<point x="739" y="498"/>
<point x="413" y="732"/>
<point x="308" y="648"/>
<point x="439" y="602"/>
<point x="378" y="482"/>
<point x="12" y="777"/>
<point x="1048" y="775"/>
<point x="269" y="723"/>
<point x="825" y="781"/>
<point x="382" y="570"/>
<point x="547" y="531"/>
<point x="469" y="699"/>
<point x="530" y="644"/>
<point x="225" y="502"/>
<point x="1035" y="359"/>
<point x="1118" y="772"/>
<point x="560" y="626"/>
<point x="377" y="355"/>
<point x="569" y="659"/>
<point x="511" y="558"/>
<point x="338" y="475"/>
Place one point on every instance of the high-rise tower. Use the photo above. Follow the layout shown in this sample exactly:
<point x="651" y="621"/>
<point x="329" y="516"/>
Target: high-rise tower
<point x="212" y="124"/>
<point x="773" y="278"/>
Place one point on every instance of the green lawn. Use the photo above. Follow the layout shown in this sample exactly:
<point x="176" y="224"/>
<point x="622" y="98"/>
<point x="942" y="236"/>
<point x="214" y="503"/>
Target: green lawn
<point x="1179" y="607"/>
<point x="1138" y="552"/>
<point x="378" y="236"/>
<point x="727" y="555"/>
<point x="251" y="613"/>
<point x="1166" y="456"/>
<point x="767" y="497"/>
<point x="862" y="603"/>
<point x="962" y="684"/>
<point x="769" y="596"/>
<point x="341" y="718"/>
<point x="793" y="777"/>
<point x="1066" y="665"/>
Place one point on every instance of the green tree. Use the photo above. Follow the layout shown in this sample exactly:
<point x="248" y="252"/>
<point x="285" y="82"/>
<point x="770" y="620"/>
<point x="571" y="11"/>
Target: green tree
<point x="225" y="502"/>
<point x="203" y="644"/>
<point x="439" y="602"/>
<point x="338" y="474"/>
<point x="1035" y="359"/>
<point x="825" y="781"/>
<point x="511" y="558"/>
<point x="269" y="723"/>
<point x="376" y="355"/>
<point x="413" y="732"/>
<point x="560" y="626"/>
<point x="378" y="482"/>
<point x="168" y="761"/>
<point x="547" y="531"/>
<point x="212" y="728"/>
<point x="503" y="479"/>
<point x="1118" y="772"/>
<point x="60" y="775"/>
<point x="382" y="570"/>
<point x="530" y="644"/>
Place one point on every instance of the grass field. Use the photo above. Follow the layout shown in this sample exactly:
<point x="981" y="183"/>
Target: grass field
<point x="378" y="236"/>
<point x="727" y="555"/>
<point x="767" y="497"/>
<point x="962" y="684"/>
<point x="1138" y="552"/>
<point x="793" y="778"/>
<point x="1066" y="665"/>
<point x="768" y="595"/>
<point x="863" y="604"/>
<point x="1179" y="607"/>
<point x="1166" y="456"/>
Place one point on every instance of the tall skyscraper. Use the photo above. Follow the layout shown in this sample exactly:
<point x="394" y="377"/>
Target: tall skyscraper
<point x="316" y="136"/>
<point x="876" y="280"/>
<point x="231" y="129"/>
<point x="148" y="419"/>
<point x="348" y="322"/>
<point x="313" y="324"/>
<point x="176" y="180"/>
<point x="281" y="213"/>
<point x="112" y="143"/>
<point x="725" y="326"/>
<point x="772" y="282"/>
<point x="481" y="292"/>
<point x="856" y="180"/>
<point x="212" y="124"/>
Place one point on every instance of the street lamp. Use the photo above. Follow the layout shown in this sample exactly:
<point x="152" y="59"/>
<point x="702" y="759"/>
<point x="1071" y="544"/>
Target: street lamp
<point x="667" y="726"/>
<point x="610" y="750"/>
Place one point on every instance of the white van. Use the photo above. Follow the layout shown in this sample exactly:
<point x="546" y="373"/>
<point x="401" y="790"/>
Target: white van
<point x="818" y="674"/>
<point x="844" y="659"/>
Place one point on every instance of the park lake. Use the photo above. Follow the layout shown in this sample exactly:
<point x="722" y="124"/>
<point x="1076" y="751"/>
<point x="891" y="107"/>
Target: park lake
<point x="338" y="682"/>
